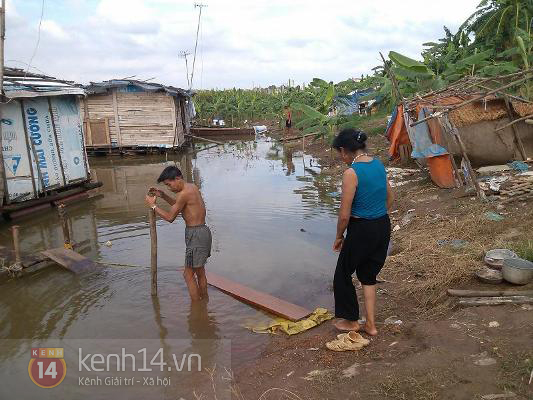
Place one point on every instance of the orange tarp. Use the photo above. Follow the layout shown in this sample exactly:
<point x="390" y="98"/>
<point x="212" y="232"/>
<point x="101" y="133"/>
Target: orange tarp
<point x="440" y="167"/>
<point x="397" y="134"/>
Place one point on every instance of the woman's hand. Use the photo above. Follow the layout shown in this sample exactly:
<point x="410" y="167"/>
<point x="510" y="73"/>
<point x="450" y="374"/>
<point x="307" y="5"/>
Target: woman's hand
<point x="337" y="244"/>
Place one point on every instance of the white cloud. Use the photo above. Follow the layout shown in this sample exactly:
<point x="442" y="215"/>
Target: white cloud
<point x="262" y="41"/>
<point x="53" y="29"/>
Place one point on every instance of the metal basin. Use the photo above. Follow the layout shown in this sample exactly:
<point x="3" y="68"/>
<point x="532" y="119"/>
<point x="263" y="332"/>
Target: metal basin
<point x="494" y="258"/>
<point x="517" y="271"/>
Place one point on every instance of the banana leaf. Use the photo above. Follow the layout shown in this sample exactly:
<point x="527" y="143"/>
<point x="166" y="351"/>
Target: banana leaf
<point x="330" y="94"/>
<point x="477" y="58"/>
<point x="500" y="69"/>
<point x="307" y="110"/>
<point x="407" y="62"/>
<point x="409" y="74"/>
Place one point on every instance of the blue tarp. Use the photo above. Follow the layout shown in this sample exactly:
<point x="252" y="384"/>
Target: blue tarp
<point x="420" y="138"/>
<point x="347" y="105"/>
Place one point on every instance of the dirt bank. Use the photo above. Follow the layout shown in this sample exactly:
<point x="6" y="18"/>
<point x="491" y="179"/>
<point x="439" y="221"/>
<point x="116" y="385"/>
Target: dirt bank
<point x="440" y="350"/>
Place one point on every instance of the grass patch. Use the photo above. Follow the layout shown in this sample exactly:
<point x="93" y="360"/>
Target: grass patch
<point x="424" y="269"/>
<point x="515" y="372"/>
<point x="426" y="385"/>
<point x="524" y="249"/>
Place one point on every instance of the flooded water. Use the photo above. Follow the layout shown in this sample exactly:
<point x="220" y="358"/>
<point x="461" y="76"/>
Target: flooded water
<point x="272" y="215"/>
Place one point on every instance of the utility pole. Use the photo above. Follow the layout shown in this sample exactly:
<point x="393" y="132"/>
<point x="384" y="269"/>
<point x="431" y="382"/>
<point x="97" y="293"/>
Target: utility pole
<point x="200" y="6"/>
<point x="184" y="54"/>
<point x="2" y="38"/>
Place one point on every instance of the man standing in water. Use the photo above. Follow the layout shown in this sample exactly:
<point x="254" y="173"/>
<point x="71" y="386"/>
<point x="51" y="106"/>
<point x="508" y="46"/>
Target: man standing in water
<point x="190" y="204"/>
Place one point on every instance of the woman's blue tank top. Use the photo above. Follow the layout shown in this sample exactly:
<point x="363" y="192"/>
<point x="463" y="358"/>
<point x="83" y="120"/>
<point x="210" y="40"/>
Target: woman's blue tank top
<point x="370" y="200"/>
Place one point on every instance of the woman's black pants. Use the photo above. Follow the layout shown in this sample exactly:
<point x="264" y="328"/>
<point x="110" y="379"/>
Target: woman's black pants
<point x="364" y="252"/>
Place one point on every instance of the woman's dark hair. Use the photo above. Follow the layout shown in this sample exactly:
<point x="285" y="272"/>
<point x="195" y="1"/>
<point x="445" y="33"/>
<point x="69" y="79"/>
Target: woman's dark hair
<point x="169" y="173"/>
<point x="350" y="139"/>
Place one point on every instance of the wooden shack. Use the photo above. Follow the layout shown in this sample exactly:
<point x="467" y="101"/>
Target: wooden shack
<point x="43" y="158"/>
<point x="124" y="115"/>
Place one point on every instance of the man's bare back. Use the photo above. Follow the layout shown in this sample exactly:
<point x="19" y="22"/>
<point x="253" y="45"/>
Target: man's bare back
<point x="193" y="211"/>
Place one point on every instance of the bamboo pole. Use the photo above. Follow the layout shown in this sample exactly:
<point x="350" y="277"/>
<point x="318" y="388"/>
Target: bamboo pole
<point x="447" y="125"/>
<point x="518" y="141"/>
<point x="16" y="243"/>
<point x="153" y="251"/>
<point x="476" y="98"/>
<point x="513" y="122"/>
<point x="67" y="242"/>
<point x="475" y="81"/>
<point x="392" y="78"/>
<point x="506" y="94"/>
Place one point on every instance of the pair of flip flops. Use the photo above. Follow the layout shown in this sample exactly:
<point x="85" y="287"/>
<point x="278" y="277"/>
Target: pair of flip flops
<point x="349" y="341"/>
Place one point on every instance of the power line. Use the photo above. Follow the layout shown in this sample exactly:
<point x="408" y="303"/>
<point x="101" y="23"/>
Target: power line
<point x="200" y="6"/>
<point x="38" y="41"/>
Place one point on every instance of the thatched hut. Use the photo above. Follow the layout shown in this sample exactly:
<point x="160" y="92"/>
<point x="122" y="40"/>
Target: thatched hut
<point x="485" y="127"/>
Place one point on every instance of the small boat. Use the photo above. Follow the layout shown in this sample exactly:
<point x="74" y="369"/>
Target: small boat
<point x="220" y="131"/>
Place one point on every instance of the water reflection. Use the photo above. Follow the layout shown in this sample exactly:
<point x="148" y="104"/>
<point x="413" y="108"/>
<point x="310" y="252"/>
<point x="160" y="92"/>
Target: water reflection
<point x="271" y="212"/>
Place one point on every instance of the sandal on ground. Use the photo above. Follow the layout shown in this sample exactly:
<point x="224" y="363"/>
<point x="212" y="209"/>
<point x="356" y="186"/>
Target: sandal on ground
<point x="347" y="342"/>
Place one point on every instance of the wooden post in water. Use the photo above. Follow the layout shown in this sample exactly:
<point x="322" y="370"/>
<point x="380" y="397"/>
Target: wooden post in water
<point x="64" y="225"/>
<point x="153" y="251"/>
<point x="16" y="243"/>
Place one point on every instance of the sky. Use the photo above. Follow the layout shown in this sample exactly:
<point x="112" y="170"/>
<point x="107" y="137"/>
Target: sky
<point x="242" y="43"/>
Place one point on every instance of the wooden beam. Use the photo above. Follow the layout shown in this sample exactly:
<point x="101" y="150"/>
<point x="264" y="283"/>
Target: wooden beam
<point x="518" y="141"/>
<point x="115" y="111"/>
<point x="30" y="203"/>
<point x="153" y="251"/>
<point x="16" y="243"/>
<point x="88" y="138"/>
<point x="174" y="119"/>
<point x="488" y="293"/>
<point x="67" y="242"/>
<point x="70" y="260"/>
<point x="495" y="301"/>
<point x="258" y="299"/>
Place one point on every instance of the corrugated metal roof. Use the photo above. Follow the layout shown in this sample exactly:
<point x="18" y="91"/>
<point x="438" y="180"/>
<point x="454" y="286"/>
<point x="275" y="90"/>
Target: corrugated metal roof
<point x="102" y="87"/>
<point x="19" y="83"/>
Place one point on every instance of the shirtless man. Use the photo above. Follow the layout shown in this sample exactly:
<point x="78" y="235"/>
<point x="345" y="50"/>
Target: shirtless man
<point x="190" y="204"/>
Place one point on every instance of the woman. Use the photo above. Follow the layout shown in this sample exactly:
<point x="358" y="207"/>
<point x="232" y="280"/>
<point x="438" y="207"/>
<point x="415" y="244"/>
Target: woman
<point x="366" y="197"/>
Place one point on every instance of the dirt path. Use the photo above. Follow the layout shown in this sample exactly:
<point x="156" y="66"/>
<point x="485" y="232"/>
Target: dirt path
<point x="440" y="350"/>
<point x="459" y="357"/>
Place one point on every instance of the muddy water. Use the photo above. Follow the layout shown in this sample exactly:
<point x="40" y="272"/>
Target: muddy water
<point x="273" y="220"/>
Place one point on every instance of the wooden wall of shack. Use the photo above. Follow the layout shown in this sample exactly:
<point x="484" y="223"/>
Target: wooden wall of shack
<point x="121" y="118"/>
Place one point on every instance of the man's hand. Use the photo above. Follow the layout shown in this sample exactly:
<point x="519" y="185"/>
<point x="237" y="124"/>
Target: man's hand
<point x="337" y="244"/>
<point x="150" y="200"/>
<point x="156" y="192"/>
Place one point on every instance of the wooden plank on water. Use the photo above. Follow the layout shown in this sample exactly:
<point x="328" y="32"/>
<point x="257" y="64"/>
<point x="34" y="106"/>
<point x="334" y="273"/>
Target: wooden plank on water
<point x="70" y="260"/>
<point x="258" y="299"/>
